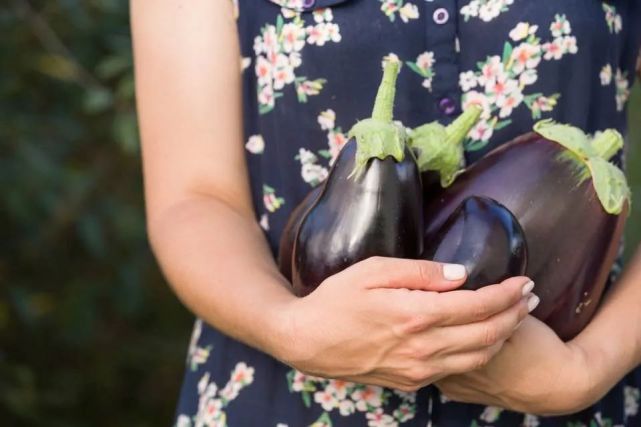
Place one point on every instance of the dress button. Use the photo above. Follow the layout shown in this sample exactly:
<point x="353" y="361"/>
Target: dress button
<point x="308" y="3"/>
<point x="441" y="15"/>
<point x="447" y="106"/>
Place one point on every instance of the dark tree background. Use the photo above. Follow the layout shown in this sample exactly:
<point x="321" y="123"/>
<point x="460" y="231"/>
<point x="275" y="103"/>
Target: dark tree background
<point x="90" y="335"/>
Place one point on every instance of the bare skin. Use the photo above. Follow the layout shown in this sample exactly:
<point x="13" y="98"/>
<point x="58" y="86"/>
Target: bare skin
<point x="381" y="321"/>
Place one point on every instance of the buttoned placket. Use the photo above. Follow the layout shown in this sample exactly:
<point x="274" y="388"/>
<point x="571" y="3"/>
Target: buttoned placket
<point x="441" y="18"/>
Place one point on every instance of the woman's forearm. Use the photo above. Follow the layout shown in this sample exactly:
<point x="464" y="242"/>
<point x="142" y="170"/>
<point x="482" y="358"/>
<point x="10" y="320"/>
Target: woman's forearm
<point x="612" y="340"/>
<point x="220" y="266"/>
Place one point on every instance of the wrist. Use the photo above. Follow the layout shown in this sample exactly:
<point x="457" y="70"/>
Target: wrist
<point x="280" y="329"/>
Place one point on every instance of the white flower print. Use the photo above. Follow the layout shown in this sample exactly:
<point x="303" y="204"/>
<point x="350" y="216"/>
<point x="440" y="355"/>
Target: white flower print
<point x="245" y="63"/>
<point x="197" y="355"/>
<point x="500" y="84"/>
<point x="606" y="75"/>
<point x="632" y="395"/>
<point x="491" y="414"/>
<point x="255" y="144"/>
<point x="290" y="4"/>
<point x="264" y="222"/>
<point x="622" y="89"/>
<point x="327" y="119"/>
<point x="278" y="53"/>
<point x="183" y="421"/>
<point x="346" y="398"/>
<point x="530" y="421"/>
<point x="467" y="80"/>
<point x="211" y="401"/>
<point x="522" y="30"/>
<point x="424" y="67"/>
<point x="612" y="18"/>
<point x="406" y="10"/>
<point x="560" y="26"/>
<point x="486" y="10"/>
<point x="270" y="200"/>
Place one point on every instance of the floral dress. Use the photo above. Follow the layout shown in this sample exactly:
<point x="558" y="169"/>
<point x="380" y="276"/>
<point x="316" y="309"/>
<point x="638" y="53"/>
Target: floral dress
<point x="310" y="71"/>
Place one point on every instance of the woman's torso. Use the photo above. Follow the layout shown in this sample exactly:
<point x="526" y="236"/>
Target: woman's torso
<point x="310" y="71"/>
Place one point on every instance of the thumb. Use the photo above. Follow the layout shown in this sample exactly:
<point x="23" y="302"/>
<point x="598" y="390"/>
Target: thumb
<point x="396" y="273"/>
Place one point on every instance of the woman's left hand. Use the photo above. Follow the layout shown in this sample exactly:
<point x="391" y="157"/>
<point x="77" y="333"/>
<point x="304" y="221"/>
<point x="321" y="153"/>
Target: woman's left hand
<point x="535" y="372"/>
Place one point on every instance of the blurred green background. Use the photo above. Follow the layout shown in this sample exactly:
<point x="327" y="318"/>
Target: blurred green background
<point x="90" y="335"/>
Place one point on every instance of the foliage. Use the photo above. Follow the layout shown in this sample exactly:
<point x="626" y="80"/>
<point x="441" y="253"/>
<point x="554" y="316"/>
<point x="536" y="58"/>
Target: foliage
<point x="89" y="332"/>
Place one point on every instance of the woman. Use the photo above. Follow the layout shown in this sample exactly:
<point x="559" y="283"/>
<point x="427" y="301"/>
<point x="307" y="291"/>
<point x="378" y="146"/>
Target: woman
<point x="242" y="108"/>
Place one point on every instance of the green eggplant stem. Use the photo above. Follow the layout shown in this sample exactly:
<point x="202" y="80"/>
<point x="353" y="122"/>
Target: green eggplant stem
<point x="607" y="143"/>
<point x="384" y="104"/>
<point x="459" y="128"/>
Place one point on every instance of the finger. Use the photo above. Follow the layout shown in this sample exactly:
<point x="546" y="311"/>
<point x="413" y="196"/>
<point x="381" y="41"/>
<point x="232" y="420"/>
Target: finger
<point x="396" y="273"/>
<point x="462" y="307"/>
<point x="466" y="362"/>
<point x="479" y="335"/>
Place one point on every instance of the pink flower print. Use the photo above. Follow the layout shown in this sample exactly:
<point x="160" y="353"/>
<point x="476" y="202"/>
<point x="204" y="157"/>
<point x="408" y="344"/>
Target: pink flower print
<point x="569" y="44"/>
<point x="380" y="419"/>
<point x="242" y="374"/>
<point x="264" y="222"/>
<point x="560" y="26"/>
<point x="508" y="101"/>
<point x="263" y="71"/>
<point x="523" y="30"/>
<point x="425" y="60"/>
<point x="338" y="388"/>
<point x="293" y="37"/>
<point x="255" y="144"/>
<point x="491" y="70"/>
<point x="298" y="381"/>
<point x="326" y="399"/>
<point x="283" y="72"/>
<point x="483" y="131"/>
<point x="266" y="96"/>
<point x="525" y="55"/>
<point x="271" y="202"/>
<point x="480" y="100"/>
<point x="408" y="11"/>
<point x="367" y="396"/>
<point x="405" y="412"/>
<point x="336" y="141"/>
<point x="553" y="49"/>
<point x="346" y="407"/>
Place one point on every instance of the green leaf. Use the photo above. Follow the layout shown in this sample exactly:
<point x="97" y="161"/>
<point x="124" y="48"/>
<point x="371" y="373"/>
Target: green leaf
<point x="502" y="124"/>
<point x="418" y="70"/>
<point x="307" y="398"/>
<point x="507" y="53"/>
<point x="610" y="185"/>
<point x="325" y="154"/>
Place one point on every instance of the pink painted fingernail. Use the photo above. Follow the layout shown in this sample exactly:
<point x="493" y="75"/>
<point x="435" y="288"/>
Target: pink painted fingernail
<point x="527" y="288"/>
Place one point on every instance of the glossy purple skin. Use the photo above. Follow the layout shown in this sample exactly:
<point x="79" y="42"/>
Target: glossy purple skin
<point x="286" y="245"/>
<point x="485" y="237"/>
<point x="380" y="213"/>
<point x="572" y="241"/>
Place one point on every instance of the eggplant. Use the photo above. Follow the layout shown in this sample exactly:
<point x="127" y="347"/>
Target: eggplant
<point x="571" y="203"/>
<point x="485" y="237"/>
<point x="370" y="204"/>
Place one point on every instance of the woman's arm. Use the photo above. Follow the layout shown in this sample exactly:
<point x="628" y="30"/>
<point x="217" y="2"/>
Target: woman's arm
<point x="376" y="322"/>
<point x="536" y="372"/>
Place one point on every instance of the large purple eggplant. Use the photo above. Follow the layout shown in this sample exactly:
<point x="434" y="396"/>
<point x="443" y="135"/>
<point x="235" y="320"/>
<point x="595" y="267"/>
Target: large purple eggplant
<point x="485" y="237"/>
<point x="571" y="203"/>
<point x="370" y="205"/>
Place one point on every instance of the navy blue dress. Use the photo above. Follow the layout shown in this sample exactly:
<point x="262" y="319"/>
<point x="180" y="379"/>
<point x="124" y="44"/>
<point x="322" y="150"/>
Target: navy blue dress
<point x="310" y="70"/>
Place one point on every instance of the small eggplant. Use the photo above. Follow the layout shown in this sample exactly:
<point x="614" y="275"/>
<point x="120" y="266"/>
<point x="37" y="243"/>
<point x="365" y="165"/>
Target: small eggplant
<point x="370" y="204"/>
<point x="571" y="203"/>
<point x="484" y="236"/>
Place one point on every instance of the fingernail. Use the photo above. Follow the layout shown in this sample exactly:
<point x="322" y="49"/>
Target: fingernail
<point x="454" y="271"/>
<point x="527" y="288"/>
<point x="532" y="302"/>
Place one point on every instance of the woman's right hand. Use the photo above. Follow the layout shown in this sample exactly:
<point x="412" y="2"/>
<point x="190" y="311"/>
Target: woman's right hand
<point x="384" y="321"/>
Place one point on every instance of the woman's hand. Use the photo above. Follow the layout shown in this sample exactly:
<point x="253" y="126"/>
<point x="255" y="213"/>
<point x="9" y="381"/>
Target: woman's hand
<point x="383" y="322"/>
<point x="535" y="372"/>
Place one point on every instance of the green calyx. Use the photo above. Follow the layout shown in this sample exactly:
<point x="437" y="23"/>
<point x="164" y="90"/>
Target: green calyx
<point x="379" y="137"/>
<point x="595" y="153"/>
<point x="440" y="148"/>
